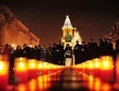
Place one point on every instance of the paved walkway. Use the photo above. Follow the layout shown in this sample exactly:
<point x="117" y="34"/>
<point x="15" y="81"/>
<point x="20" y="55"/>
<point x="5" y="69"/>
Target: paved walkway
<point x="69" y="80"/>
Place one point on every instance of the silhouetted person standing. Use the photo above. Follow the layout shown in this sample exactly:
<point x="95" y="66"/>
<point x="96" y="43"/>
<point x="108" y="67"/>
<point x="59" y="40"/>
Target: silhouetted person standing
<point x="91" y="49"/>
<point x="77" y="52"/>
<point x="60" y="53"/>
<point x="18" y="52"/>
<point x="96" y="50"/>
<point x="43" y="53"/>
<point x="53" y="52"/>
<point x="83" y="52"/>
<point x="38" y="52"/>
<point x="101" y="47"/>
<point x="49" y="55"/>
<point x="109" y="48"/>
<point x="26" y="51"/>
<point x="7" y="52"/>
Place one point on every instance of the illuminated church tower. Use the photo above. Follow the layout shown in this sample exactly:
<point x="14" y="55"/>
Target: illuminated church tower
<point x="70" y="35"/>
<point x="67" y="32"/>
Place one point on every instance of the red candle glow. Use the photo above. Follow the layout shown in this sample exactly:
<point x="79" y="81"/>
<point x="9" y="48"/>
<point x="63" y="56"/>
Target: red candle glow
<point x="21" y="70"/>
<point x="90" y="68"/>
<point x="79" y="68"/>
<point x="117" y="69"/>
<point x="22" y="87"/>
<point x="90" y="83"/>
<point x="4" y="71"/>
<point x="40" y="68"/>
<point x="45" y="67"/>
<point x="84" y="67"/>
<point x="107" y="68"/>
<point x="96" y="70"/>
<point x="49" y="68"/>
<point x="33" y="85"/>
<point x="32" y="68"/>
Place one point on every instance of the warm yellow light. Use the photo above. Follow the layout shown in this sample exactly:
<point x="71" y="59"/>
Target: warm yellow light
<point x="40" y="79"/>
<point x="49" y="66"/>
<point x="84" y="65"/>
<point x="22" y="87"/>
<point x="97" y="84"/>
<point x="44" y="65"/>
<point x="106" y="87"/>
<point x="21" y="65"/>
<point x="41" y="85"/>
<point x="21" y="59"/>
<point x="1" y="66"/>
<point x="32" y="63"/>
<point x="45" y="85"/>
<point x="105" y="63"/>
<point x="91" y="82"/>
<point x="40" y="65"/>
<point x="90" y="78"/>
<point x="13" y="45"/>
<point x="30" y="46"/>
<point x="90" y="65"/>
<point x="97" y="64"/>
<point x="32" y="85"/>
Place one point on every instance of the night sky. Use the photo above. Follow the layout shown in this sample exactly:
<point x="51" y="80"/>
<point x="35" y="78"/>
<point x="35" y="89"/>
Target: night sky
<point x="45" y="18"/>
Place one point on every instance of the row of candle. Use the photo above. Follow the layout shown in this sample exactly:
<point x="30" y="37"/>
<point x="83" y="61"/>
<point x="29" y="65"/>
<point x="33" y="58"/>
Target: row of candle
<point x="25" y="69"/>
<point x="95" y="84"/>
<point x="30" y="69"/>
<point x="42" y="83"/>
<point x="102" y="68"/>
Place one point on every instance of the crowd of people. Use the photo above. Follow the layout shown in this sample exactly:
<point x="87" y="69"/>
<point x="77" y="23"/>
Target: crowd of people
<point x="56" y="53"/>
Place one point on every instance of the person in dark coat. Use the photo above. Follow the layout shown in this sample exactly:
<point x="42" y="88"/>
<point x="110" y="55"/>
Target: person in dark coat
<point x="60" y="53"/>
<point x="83" y="52"/>
<point x="96" y="50"/>
<point x="6" y="53"/>
<point x="101" y="47"/>
<point x="31" y="53"/>
<point x="26" y="51"/>
<point x="49" y="55"/>
<point x="77" y="52"/>
<point x="105" y="46"/>
<point x="109" y="48"/>
<point x="43" y="53"/>
<point x="53" y="52"/>
<point x="91" y="49"/>
<point x="18" y="52"/>
<point x="37" y="51"/>
<point x="12" y="57"/>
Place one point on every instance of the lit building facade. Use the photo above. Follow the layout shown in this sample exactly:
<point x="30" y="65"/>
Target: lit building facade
<point x="12" y="31"/>
<point x="70" y="34"/>
<point x="114" y="34"/>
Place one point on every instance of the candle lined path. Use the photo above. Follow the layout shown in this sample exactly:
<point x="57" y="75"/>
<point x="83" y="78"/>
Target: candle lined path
<point x="79" y="77"/>
<point x="65" y="80"/>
